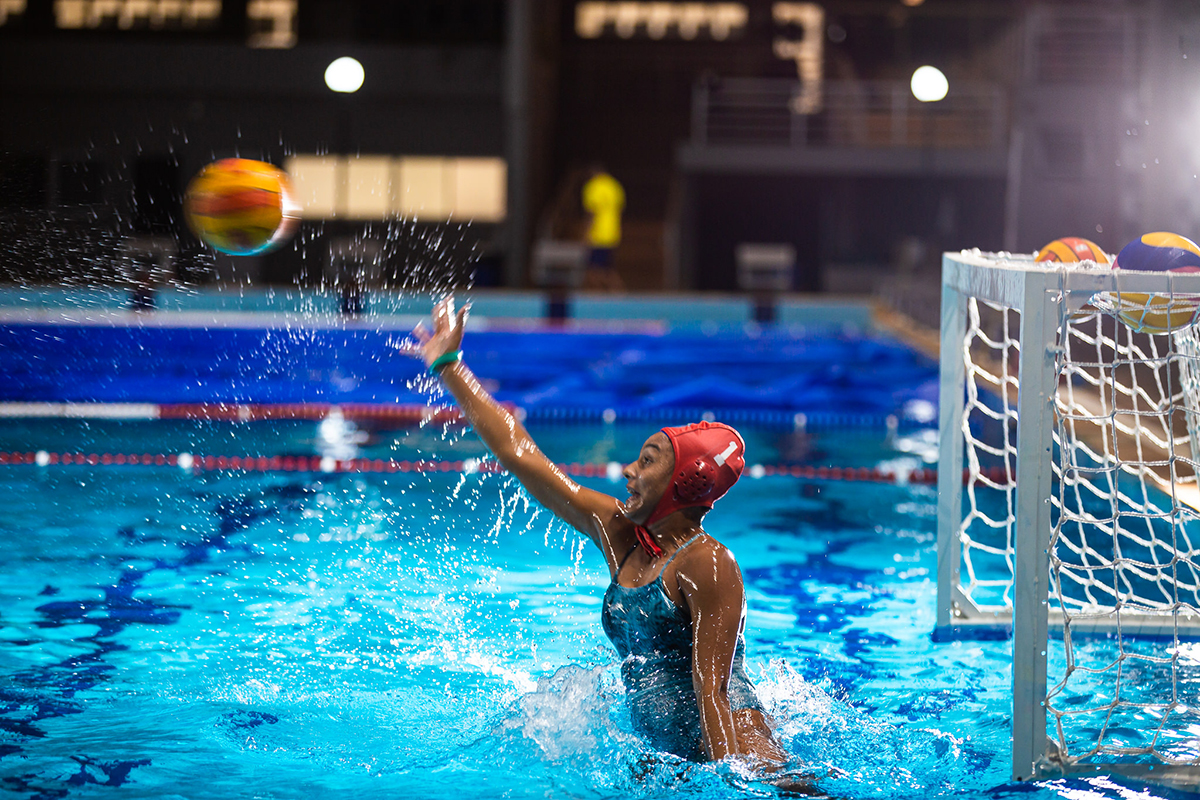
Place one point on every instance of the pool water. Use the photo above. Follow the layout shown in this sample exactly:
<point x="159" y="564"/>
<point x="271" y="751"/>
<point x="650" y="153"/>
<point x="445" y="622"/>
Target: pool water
<point x="229" y="635"/>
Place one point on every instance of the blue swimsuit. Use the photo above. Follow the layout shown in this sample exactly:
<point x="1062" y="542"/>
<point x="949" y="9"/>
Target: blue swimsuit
<point x="653" y="636"/>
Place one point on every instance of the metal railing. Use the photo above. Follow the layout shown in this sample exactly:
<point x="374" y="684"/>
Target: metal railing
<point x="875" y="114"/>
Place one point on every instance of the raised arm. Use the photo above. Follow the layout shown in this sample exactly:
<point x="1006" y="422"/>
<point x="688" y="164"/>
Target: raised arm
<point x="596" y="515"/>
<point x="711" y="584"/>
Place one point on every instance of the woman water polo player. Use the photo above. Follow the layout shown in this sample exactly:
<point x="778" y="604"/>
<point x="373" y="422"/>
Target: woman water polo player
<point x="675" y="609"/>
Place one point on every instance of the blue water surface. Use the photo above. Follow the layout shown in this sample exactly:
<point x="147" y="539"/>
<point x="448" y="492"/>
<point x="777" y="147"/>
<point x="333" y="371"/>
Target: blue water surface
<point x="234" y="635"/>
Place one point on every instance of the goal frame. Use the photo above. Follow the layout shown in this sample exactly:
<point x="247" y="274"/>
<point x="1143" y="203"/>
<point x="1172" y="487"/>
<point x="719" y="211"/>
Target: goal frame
<point x="1042" y="293"/>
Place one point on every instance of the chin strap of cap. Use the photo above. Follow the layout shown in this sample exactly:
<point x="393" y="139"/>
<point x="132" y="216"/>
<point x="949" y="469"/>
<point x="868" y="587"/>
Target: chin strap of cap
<point x="647" y="541"/>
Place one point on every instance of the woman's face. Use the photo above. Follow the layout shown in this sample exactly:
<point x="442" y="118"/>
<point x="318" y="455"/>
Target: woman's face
<point x="648" y="478"/>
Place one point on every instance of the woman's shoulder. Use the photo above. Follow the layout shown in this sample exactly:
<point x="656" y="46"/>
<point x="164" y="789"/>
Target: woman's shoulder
<point x="707" y="576"/>
<point x="706" y="540"/>
<point x="707" y="560"/>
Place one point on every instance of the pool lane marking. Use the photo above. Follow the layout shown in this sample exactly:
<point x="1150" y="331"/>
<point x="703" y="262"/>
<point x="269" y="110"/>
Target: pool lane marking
<point x="310" y="319"/>
<point x="82" y="410"/>
<point x="327" y="464"/>
<point x="115" y="317"/>
<point x="232" y="412"/>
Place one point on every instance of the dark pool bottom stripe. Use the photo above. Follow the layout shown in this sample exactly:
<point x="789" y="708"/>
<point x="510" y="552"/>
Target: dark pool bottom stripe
<point x="327" y="464"/>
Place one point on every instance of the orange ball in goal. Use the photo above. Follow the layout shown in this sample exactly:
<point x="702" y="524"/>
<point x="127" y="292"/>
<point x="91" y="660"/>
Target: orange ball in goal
<point x="241" y="206"/>
<point x="1071" y="249"/>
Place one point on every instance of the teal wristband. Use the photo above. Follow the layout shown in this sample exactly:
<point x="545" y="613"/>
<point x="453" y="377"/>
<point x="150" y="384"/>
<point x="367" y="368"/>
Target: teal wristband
<point x="443" y="360"/>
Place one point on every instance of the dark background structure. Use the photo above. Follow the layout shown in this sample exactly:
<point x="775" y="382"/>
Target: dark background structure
<point x="1061" y="119"/>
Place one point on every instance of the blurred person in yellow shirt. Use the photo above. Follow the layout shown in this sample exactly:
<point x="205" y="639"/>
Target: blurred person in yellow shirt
<point x="604" y="200"/>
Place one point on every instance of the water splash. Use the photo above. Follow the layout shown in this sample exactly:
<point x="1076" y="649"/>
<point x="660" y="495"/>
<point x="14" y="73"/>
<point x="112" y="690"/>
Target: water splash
<point x="856" y="755"/>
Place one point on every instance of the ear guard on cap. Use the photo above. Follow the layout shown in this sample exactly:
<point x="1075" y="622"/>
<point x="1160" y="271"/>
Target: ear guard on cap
<point x="696" y="482"/>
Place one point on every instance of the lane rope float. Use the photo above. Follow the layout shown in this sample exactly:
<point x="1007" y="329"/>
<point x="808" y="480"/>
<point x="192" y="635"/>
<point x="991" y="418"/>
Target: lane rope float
<point x="328" y="464"/>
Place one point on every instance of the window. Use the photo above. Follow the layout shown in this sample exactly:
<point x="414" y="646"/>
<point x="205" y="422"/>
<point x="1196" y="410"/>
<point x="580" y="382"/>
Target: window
<point x="272" y="23"/>
<point x="479" y="188"/>
<point x="136" y="14"/>
<point x="315" y="179"/>
<point x="806" y="51"/>
<point x="368" y="193"/>
<point x="658" y="20"/>
<point x="423" y="187"/>
<point x="10" y="8"/>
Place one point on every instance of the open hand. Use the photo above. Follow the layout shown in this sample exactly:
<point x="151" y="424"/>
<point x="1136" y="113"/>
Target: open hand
<point x="446" y="336"/>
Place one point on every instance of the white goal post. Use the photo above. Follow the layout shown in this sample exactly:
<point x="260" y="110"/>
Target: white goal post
<point x="1067" y="500"/>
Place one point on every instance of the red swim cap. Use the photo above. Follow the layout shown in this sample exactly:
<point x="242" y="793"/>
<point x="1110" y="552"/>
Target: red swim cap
<point x="709" y="458"/>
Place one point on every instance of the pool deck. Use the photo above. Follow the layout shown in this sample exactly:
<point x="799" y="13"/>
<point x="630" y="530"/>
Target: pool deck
<point x="493" y="309"/>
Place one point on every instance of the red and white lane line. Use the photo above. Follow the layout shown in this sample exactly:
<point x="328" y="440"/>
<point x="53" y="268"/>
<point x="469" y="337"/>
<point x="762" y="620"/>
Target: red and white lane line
<point x="232" y="412"/>
<point x="327" y="464"/>
<point x="81" y="410"/>
<point x="116" y="316"/>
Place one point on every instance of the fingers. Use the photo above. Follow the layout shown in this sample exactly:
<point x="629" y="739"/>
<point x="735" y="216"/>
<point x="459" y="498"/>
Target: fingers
<point x="421" y="334"/>
<point x="462" y="316"/>
<point x="443" y="312"/>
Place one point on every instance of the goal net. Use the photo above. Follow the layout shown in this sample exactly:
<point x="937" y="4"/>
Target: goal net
<point x="1068" y="505"/>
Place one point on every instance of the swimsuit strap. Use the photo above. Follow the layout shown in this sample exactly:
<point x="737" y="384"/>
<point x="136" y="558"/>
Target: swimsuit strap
<point x="662" y="586"/>
<point x="679" y="550"/>
<point x="623" y="560"/>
